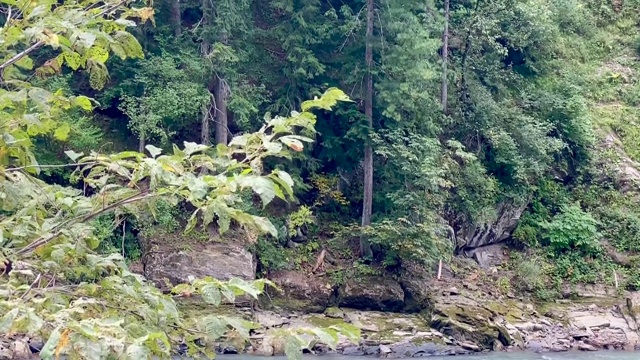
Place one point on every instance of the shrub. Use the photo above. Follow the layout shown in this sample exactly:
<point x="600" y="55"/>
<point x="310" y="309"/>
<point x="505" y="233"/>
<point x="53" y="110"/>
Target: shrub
<point x="572" y="229"/>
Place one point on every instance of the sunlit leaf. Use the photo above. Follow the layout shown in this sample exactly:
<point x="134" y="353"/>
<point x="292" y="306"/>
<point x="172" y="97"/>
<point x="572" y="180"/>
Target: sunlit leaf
<point x="62" y="132"/>
<point x="153" y="151"/>
<point x="73" y="155"/>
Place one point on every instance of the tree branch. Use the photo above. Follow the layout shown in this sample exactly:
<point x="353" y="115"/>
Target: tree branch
<point x="47" y="239"/>
<point x="40" y="43"/>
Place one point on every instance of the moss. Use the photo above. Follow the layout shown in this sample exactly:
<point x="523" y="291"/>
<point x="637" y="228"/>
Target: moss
<point x="291" y="304"/>
<point x="196" y="307"/>
<point x="334" y="312"/>
<point x="323" y="321"/>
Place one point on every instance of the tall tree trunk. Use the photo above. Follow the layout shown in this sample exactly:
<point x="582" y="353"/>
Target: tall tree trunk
<point x="221" y="123"/>
<point x="205" y="137"/>
<point x="141" y="143"/>
<point x="176" y="17"/>
<point x="367" y="203"/>
<point x="445" y="56"/>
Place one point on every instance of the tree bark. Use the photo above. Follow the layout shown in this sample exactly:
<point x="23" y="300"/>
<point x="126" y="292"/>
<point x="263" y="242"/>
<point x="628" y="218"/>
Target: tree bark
<point x="176" y="17"/>
<point x="205" y="137"/>
<point x="445" y="57"/>
<point x="367" y="203"/>
<point x="141" y="143"/>
<point x="221" y="123"/>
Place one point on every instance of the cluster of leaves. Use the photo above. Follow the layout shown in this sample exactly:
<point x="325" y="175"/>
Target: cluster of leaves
<point x="53" y="284"/>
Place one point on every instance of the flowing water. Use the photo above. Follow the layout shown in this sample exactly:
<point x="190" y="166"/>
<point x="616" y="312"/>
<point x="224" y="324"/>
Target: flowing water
<point x="600" y="355"/>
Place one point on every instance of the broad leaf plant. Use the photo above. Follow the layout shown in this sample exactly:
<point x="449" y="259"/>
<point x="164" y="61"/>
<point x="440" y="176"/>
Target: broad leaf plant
<point x="54" y="285"/>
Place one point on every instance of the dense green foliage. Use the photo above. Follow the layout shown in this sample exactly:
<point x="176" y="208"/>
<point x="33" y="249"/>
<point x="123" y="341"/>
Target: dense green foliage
<point x="539" y="125"/>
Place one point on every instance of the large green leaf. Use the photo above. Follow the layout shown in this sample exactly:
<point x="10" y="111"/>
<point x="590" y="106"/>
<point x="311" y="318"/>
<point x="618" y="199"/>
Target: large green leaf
<point x="48" y="350"/>
<point x="264" y="187"/>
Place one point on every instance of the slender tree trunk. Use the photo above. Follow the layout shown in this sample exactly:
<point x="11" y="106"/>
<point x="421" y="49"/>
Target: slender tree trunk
<point x="221" y="123"/>
<point x="221" y="94"/>
<point x="176" y="17"/>
<point x="205" y="137"/>
<point x="367" y="203"/>
<point x="141" y="143"/>
<point x="445" y="56"/>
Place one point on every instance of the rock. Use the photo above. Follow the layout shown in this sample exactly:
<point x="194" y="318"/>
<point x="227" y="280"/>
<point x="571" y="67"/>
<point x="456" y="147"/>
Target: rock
<point x="5" y="354"/>
<point x="270" y="320"/>
<point x="545" y="322"/>
<point x="559" y="348"/>
<point x="471" y="236"/>
<point x="470" y="346"/>
<point x="300" y="292"/>
<point x="586" y="347"/>
<point x="334" y="312"/>
<point x="470" y="286"/>
<point x="407" y="349"/>
<point x="20" y="350"/>
<point x="469" y="323"/>
<point x="453" y="291"/>
<point x="223" y="261"/>
<point x="581" y="335"/>
<point x="352" y="351"/>
<point x="385" y="349"/>
<point x="535" y="346"/>
<point x="488" y="256"/>
<point x="265" y="350"/>
<point x="402" y="333"/>
<point x="373" y="293"/>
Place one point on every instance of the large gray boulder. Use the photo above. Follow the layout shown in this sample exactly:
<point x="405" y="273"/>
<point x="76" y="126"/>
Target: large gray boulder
<point x="372" y="293"/>
<point x="170" y="259"/>
<point x="299" y="292"/>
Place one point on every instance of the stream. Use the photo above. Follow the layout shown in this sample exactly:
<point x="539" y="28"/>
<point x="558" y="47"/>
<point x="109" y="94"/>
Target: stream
<point x="600" y="355"/>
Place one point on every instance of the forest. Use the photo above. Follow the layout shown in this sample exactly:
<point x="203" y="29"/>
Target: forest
<point x="363" y="137"/>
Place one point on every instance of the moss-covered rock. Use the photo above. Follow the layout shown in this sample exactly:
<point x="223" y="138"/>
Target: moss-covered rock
<point x="470" y="323"/>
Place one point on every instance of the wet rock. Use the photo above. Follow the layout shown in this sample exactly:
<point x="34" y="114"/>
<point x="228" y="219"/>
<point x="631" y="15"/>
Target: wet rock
<point x="586" y="347"/>
<point x="352" y="351"/>
<point x="385" y="349"/>
<point x="470" y="346"/>
<point x="373" y="293"/>
<point x="408" y="349"/>
<point x="300" y="292"/>
<point x="559" y="348"/>
<point x="536" y="346"/>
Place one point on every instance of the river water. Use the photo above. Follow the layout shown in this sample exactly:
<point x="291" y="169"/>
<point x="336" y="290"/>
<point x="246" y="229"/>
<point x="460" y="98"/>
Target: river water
<point x="600" y="355"/>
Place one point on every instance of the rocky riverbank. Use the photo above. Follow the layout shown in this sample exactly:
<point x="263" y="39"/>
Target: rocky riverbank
<point x="462" y="322"/>
<point x="411" y="314"/>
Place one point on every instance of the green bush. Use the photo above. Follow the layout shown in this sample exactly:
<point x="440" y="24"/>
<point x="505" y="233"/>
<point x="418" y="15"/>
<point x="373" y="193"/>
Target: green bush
<point x="572" y="229"/>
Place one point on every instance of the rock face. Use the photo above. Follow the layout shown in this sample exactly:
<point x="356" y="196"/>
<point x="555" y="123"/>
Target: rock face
<point x="488" y="256"/>
<point x="470" y="236"/>
<point x="300" y="292"/>
<point x="372" y="293"/>
<point x="163" y="260"/>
